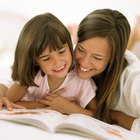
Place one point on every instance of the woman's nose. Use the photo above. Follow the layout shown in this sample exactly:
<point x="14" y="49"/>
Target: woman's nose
<point x="85" y="61"/>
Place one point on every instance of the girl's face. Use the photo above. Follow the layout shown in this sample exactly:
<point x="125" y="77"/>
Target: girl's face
<point x="92" y="57"/>
<point x="55" y="63"/>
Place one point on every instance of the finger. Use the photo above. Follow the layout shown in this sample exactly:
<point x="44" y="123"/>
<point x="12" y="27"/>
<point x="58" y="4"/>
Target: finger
<point x="54" y="95"/>
<point x="46" y="102"/>
<point x="48" y="107"/>
<point x="49" y="98"/>
<point x="42" y="107"/>
<point x="7" y="104"/>
<point x="59" y="91"/>
<point x="39" y="107"/>
<point x="72" y="99"/>
<point x="18" y="106"/>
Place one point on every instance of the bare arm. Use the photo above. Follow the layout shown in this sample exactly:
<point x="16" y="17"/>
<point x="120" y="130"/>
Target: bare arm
<point x="3" y="90"/>
<point x="31" y="104"/>
<point x="16" y="92"/>
<point x="90" y="109"/>
<point x="129" y="100"/>
<point x="4" y="101"/>
<point x="67" y="105"/>
<point x="122" y="119"/>
<point x="92" y="106"/>
<point x="11" y="97"/>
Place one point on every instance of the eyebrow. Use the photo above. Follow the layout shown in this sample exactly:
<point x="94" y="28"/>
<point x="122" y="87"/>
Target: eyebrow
<point x="64" y="46"/>
<point x="42" y="56"/>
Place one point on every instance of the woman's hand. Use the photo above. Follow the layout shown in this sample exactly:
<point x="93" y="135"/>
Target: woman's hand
<point x="121" y="119"/>
<point x="4" y="101"/>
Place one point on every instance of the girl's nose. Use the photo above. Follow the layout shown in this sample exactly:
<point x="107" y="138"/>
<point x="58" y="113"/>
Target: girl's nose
<point x="57" y="61"/>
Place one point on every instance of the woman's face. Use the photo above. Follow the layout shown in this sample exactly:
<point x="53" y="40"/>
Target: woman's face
<point x="92" y="57"/>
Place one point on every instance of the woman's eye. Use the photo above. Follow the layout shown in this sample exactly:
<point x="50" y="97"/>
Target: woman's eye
<point x="98" y="58"/>
<point x="79" y="49"/>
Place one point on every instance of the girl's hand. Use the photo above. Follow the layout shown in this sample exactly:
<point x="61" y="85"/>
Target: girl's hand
<point x="58" y="103"/>
<point x="4" y="101"/>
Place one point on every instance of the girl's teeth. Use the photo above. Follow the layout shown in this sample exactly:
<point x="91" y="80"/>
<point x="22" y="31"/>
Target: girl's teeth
<point x="60" y="68"/>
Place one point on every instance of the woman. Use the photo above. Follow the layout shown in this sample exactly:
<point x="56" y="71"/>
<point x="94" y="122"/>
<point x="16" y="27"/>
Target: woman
<point x="101" y="55"/>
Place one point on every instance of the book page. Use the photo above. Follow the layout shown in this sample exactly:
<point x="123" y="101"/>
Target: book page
<point x="89" y="127"/>
<point x="42" y="118"/>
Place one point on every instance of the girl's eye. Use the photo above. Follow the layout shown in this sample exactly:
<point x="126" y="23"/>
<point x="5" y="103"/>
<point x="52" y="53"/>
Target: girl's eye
<point x="46" y="59"/>
<point x="62" y="50"/>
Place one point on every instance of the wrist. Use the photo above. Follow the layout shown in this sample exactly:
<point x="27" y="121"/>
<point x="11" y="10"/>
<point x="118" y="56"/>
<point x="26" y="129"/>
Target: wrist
<point x="125" y="120"/>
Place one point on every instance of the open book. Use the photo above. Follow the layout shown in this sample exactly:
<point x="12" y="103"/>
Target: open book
<point x="78" y="124"/>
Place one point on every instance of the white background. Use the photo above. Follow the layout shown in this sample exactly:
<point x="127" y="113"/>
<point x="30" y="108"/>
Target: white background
<point x="15" y="13"/>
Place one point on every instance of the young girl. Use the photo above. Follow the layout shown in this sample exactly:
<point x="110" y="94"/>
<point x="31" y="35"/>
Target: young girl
<point x="42" y="64"/>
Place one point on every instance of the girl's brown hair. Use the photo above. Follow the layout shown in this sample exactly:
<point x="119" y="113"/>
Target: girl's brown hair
<point x="41" y="31"/>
